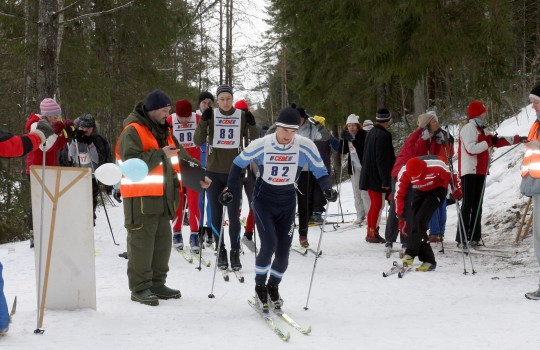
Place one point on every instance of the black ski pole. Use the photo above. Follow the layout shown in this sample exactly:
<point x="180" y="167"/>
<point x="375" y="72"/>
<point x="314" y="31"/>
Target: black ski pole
<point x="317" y="255"/>
<point x="221" y="231"/>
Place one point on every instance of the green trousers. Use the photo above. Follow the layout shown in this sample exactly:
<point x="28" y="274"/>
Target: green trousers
<point x="149" y="249"/>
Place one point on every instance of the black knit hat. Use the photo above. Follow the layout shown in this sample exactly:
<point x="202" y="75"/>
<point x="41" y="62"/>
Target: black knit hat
<point x="303" y="113"/>
<point x="289" y="118"/>
<point x="383" y="115"/>
<point x="535" y="93"/>
<point x="204" y="95"/>
<point x="87" y="121"/>
<point x="223" y="88"/>
<point x="157" y="99"/>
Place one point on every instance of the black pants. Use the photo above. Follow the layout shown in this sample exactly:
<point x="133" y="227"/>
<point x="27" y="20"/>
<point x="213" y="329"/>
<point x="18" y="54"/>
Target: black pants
<point x="219" y="182"/>
<point x="424" y="205"/>
<point x="307" y="185"/>
<point x="275" y="221"/>
<point x="391" y="230"/>
<point x="471" y="208"/>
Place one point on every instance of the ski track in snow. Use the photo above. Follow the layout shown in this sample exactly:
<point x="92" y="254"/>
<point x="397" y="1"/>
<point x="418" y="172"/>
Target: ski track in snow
<point x="352" y="306"/>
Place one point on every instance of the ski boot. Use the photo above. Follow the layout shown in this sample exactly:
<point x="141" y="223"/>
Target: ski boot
<point x="194" y="242"/>
<point x="235" y="260"/>
<point x="261" y="297"/>
<point x="316" y="218"/>
<point x="475" y="244"/>
<point x="533" y="295"/>
<point x="303" y="241"/>
<point x="409" y="260"/>
<point x="178" y="241"/>
<point x="209" y="236"/>
<point x="425" y="267"/>
<point x="388" y="250"/>
<point x="223" y="264"/>
<point x="374" y="237"/>
<point x="273" y="292"/>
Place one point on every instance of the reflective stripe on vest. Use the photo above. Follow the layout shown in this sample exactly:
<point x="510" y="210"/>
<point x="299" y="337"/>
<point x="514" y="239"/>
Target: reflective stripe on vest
<point x="531" y="160"/>
<point x="153" y="183"/>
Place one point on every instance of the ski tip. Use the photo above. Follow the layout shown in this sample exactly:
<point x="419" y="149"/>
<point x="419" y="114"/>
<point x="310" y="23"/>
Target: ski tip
<point x="287" y="337"/>
<point x="307" y="331"/>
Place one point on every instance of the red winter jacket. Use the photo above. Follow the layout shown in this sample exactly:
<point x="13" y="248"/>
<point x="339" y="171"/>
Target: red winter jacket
<point x="51" y="156"/>
<point x="415" y="146"/>
<point x="194" y="152"/>
<point x="16" y="146"/>
<point x="436" y="175"/>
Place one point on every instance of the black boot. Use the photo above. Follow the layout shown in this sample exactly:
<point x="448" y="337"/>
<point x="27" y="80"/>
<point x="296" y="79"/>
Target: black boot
<point x="261" y="297"/>
<point x="209" y="236"/>
<point x="273" y="292"/>
<point x="223" y="264"/>
<point x="235" y="260"/>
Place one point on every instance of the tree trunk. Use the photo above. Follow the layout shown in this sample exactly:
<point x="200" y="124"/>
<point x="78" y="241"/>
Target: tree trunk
<point x="29" y="78"/>
<point x="381" y="96"/>
<point x="58" y="49"/>
<point x="220" y="42"/>
<point x="47" y="46"/>
<point x="419" y="97"/>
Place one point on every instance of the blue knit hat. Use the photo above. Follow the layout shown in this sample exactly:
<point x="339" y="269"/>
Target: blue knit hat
<point x="289" y="118"/>
<point x="157" y="99"/>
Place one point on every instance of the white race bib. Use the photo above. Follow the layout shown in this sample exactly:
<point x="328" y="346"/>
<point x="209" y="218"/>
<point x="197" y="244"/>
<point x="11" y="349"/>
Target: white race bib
<point x="280" y="166"/>
<point x="184" y="132"/>
<point x="227" y="129"/>
<point x="84" y="159"/>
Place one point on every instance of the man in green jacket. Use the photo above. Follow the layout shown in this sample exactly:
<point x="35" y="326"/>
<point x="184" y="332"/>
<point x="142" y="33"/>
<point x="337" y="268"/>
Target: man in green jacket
<point x="225" y="128"/>
<point x="151" y="203"/>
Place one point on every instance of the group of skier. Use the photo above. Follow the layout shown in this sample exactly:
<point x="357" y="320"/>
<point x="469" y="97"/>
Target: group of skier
<point x="284" y="169"/>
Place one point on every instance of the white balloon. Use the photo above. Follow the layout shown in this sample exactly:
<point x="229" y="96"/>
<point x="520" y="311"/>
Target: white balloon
<point x="109" y="174"/>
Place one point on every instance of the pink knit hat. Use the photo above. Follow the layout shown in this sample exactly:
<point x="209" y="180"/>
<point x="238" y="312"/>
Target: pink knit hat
<point x="49" y="108"/>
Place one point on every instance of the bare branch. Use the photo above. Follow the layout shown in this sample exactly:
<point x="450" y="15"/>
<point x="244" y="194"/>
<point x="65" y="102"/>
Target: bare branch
<point x="65" y="8"/>
<point x="14" y="16"/>
<point x="94" y="14"/>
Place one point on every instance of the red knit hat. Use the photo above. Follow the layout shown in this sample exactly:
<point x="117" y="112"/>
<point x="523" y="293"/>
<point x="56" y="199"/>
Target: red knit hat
<point x="183" y="108"/>
<point x="476" y="108"/>
<point x="415" y="167"/>
<point x="241" y="104"/>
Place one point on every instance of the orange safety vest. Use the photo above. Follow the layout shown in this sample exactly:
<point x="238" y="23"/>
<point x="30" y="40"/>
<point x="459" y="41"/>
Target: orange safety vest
<point x="531" y="161"/>
<point x="153" y="183"/>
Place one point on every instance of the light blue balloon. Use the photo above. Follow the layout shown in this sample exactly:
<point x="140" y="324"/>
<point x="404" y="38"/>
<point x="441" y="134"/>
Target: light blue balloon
<point x="134" y="169"/>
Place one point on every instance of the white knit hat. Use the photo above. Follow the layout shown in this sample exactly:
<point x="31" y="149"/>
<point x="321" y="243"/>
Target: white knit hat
<point x="352" y="119"/>
<point x="368" y="125"/>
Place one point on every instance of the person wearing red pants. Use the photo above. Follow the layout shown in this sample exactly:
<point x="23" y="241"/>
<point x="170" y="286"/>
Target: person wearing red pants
<point x="375" y="177"/>
<point x="183" y="124"/>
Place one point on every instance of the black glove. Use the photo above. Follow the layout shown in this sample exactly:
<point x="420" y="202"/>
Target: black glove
<point x="494" y="140"/>
<point x="523" y="139"/>
<point x="117" y="195"/>
<point x="225" y="197"/>
<point x="345" y="135"/>
<point x="330" y="194"/>
<point x="109" y="190"/>
<point x="250" y="119"/>
<point x="207" y="115"/>
<point x="77" y="135"/>
<point x="86" y="139"/>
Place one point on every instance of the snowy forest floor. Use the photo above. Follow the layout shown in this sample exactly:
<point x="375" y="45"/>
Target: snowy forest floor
<point x="351" y="304"/>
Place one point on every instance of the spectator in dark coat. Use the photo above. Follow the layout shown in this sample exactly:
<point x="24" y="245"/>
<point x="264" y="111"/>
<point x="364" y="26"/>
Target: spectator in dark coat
<point x="377" y="166"/>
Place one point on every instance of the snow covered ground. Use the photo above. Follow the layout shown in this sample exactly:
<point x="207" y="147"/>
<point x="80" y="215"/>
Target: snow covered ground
<point x="352" y="306"/>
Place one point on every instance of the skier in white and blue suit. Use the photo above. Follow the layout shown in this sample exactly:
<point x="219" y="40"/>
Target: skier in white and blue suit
<point x="280" y="156"/>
